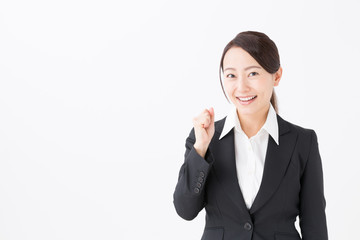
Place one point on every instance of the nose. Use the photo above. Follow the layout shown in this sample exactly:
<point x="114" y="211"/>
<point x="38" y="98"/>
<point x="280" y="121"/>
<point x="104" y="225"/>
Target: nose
<point x="243" y="84"/>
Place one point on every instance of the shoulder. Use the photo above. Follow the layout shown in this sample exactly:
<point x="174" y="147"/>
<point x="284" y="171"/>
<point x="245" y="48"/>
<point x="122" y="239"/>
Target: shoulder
<point x="306" y="137"/>
<point x="295" y="127"/>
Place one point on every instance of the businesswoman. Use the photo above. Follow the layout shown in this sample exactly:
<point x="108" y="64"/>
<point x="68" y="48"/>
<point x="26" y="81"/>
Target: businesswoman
<point x="252" y="171"/>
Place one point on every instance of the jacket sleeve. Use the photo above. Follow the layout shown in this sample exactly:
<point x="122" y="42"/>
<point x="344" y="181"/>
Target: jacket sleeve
<point x="189" y="192"/>
<point x="312" y="201"/>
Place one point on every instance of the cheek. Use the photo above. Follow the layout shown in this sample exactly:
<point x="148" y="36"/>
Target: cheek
<point x="264" y="87"/>
<point x="228" y="87"/>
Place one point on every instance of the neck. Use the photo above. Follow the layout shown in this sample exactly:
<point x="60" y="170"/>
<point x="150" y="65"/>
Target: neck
<point x="251" y="124"/>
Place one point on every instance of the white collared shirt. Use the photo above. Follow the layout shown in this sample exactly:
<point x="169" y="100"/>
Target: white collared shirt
<point x="250" y="152"/>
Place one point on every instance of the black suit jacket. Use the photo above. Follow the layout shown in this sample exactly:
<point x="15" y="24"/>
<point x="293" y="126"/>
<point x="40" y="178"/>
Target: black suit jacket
<point x="292" y="185"/>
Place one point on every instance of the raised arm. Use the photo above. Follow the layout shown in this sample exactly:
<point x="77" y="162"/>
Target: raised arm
<point x="189" y="191"/>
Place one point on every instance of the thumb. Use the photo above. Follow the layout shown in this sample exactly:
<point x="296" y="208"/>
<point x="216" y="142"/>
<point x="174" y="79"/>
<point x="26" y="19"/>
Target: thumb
<point x="212" y="113"/>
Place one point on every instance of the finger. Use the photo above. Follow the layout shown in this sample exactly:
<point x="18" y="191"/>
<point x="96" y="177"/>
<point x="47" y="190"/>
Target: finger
<point x="207" y="122"/>
<point x="203" y="121"/>
<point x="212" y="114"/>
<point x="206" y="113"/>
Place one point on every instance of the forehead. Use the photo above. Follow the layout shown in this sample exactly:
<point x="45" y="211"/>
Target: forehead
<point x="237" y="57"/>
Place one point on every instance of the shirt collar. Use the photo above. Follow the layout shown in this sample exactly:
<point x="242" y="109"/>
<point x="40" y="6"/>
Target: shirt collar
<point x="270" y="125"/>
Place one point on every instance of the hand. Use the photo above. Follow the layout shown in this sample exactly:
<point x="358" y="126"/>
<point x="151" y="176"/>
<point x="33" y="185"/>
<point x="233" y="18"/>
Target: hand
<point x="204" y="128"/>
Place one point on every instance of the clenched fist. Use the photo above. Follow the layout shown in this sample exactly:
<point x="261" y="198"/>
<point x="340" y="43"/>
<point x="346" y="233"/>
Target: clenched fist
<point x="204" y="128"/>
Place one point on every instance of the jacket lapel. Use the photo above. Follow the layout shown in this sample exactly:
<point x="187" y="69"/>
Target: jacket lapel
<point x="276" y="162"/>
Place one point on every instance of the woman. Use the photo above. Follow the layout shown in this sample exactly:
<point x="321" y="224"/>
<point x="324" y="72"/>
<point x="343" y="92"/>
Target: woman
<point x="253" y="171"/>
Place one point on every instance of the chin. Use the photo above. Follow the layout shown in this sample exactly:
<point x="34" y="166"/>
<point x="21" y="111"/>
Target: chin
<point x="246" y="111"/>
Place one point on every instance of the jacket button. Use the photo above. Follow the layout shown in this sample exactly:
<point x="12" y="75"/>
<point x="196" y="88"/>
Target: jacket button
<point x="198" y="185"/>
<point x="247" y="226"/>
<point x="200" y="179"/>
<point x="202" y="174"/>
<point x="196" y="190"/>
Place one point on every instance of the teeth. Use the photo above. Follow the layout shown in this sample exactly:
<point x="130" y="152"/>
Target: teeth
<point x="247" y="99"/>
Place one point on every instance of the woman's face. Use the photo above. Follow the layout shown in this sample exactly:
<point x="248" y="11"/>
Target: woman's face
<point x="244" y="78"/>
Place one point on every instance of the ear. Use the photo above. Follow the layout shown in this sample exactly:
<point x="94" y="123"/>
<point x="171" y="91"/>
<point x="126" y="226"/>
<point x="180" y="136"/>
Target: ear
<point x="278" y="75"/>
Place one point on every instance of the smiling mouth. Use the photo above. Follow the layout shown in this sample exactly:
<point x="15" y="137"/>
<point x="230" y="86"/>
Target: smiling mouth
<point x="246" y="99"/>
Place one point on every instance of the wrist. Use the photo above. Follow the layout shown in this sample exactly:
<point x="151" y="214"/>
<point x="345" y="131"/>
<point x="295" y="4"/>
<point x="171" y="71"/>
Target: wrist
<point x="200" y="149"/>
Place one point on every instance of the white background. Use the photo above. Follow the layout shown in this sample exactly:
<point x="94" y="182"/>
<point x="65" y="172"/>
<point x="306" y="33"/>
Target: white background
<point x="97" y="99"/>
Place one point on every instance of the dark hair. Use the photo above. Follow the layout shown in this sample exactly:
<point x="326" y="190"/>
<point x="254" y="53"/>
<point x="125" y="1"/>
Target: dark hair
<point x="262" y="49"/>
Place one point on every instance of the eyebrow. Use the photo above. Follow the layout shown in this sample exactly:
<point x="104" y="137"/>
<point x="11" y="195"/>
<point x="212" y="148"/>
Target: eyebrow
<point x="247" y="68"/>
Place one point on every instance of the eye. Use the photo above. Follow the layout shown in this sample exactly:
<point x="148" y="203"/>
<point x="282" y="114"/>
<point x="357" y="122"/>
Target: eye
<point x="230" y="75"/>
<point x="255" y="73"/>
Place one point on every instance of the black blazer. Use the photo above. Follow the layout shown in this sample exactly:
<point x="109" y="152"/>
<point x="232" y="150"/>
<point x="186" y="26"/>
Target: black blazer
<point x="292" y="185"/>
